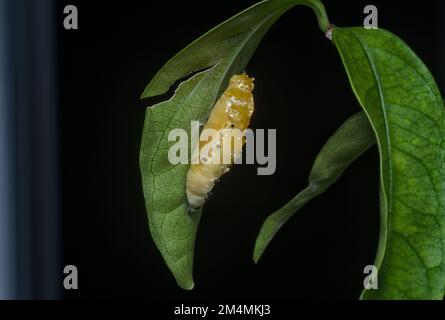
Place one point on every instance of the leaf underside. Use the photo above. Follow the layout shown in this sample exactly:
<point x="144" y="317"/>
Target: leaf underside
<point x="405" y="109"/>
<point x="223" y="51"/>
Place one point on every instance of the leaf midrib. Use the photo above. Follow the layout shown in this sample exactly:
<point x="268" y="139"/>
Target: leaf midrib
<point x="386" y="217"/>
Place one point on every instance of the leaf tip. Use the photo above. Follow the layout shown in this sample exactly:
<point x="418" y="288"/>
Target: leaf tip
<point x="150" y="91"/>
<point x="186" y="285"/>
<point x="256" y="256"/>
<point x="259" y="249"/>
<point x="184" y="279"/>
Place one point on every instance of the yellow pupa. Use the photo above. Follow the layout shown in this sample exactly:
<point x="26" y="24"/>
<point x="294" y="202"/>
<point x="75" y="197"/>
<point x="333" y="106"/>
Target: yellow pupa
<point x="232" y="112"/>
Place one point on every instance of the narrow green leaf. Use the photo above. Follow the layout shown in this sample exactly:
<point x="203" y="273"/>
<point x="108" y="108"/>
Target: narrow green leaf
<point x="353" y="138"/>
<point x="406" y="111"/>
<point x="222" y="52"/>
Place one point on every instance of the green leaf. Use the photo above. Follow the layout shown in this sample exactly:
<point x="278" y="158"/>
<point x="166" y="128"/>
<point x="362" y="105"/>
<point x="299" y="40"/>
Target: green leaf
<point x="406" y="111"/>
<point x="353" y="138"/>
<point x="222" y="52"/>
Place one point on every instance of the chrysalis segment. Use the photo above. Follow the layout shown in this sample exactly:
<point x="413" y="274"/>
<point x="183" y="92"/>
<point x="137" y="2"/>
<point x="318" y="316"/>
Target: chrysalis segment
<point x="221" y="139"/>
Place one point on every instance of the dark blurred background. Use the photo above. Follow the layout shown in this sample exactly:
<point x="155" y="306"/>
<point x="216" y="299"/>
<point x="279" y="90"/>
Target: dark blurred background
<point x="70" y="150"/>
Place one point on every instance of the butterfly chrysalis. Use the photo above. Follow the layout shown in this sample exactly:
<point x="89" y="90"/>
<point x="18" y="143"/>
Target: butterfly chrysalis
<point x="216" y="152"/>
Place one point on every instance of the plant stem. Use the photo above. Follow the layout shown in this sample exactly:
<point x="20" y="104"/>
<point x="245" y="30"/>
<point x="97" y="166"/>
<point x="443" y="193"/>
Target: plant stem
<point x="320" y="12"/>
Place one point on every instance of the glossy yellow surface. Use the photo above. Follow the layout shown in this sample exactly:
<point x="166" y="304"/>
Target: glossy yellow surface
<point x="229" y="118"/>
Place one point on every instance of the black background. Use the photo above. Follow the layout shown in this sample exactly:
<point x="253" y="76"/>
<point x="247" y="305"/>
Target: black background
<point x="301" y="90"/>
